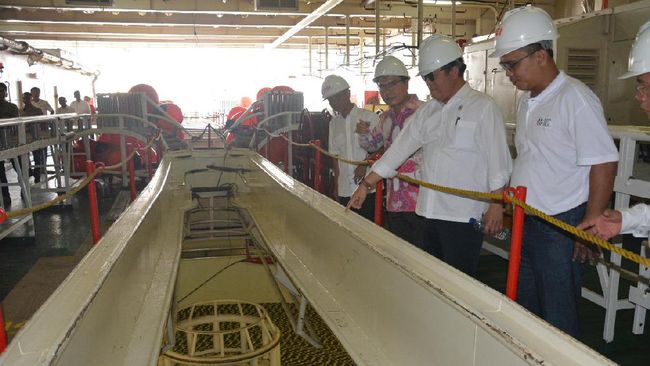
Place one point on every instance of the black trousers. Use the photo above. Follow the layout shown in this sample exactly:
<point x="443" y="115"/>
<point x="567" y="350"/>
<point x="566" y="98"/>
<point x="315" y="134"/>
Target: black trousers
<point x="406" y="225"/>
<point x="40" y="157"/>
<point x="456" y="243"/>
<point x="367" y="210"/>
<point x="3" y="179"/>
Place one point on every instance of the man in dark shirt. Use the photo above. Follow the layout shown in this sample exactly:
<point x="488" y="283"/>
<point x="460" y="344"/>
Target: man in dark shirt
<point x="7" y="110"/>
<point x="29" y="110"/>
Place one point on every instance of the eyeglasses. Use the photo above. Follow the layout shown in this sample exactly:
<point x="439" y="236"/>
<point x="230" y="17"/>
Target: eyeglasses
<point x="643" y="89"/>
<point x="430" y="76"/>
<point x="510" y="66"/>
<point x="389" y="84"/>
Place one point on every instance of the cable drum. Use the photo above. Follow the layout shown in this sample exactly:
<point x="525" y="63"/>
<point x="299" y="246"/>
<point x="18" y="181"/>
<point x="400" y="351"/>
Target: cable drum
<point x="224" y="332"/>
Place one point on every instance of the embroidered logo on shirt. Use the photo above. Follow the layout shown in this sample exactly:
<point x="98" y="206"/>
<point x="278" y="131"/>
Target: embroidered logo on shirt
<point x="544" y="122"/>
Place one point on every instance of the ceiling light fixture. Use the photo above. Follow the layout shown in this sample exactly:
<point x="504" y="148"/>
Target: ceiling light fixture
<point x="440" y="2"/>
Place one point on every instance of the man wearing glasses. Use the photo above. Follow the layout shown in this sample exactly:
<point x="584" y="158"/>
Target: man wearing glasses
<point x="462" y="135"/>
<point x="565" y="157"/>
<point x="392" y="78"/>
<point x="634" y="220"/>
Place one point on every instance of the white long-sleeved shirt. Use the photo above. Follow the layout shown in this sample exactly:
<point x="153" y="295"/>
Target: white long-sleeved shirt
<point x="464" y="146"/>
<point x="560" y="134"/>
<point x="345" y="142"/>
<point x="636" y="221"/>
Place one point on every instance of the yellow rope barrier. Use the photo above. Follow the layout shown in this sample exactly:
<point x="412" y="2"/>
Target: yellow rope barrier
<point x="78" y="187"/>
<point x="495" y="197"/>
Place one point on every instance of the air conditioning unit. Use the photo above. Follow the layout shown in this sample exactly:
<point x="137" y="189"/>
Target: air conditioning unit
<point x="276" y="5"/>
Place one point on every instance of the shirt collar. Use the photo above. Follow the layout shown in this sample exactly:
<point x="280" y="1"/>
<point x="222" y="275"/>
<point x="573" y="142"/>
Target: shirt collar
<point x="460" y="95"/>
<point x="550" y="88"/>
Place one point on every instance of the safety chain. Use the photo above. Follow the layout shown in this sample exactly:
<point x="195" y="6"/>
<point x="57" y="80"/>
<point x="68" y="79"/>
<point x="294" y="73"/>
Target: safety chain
<point x="490" y="196"/>
<point x="27" y="210"/>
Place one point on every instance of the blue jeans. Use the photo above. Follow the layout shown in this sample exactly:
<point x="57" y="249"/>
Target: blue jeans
<point x="549" y="280"/>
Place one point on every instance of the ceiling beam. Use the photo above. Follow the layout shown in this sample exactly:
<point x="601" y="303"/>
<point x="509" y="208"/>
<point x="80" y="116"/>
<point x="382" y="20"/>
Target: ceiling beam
<point x="323" y="9"/>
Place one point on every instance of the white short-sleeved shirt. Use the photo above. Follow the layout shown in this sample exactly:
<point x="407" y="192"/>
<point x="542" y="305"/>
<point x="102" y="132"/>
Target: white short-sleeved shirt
<point x="560" y="134"/>
<point x="345" y="142"/>
<point x="43" y="105"/>
<point x="464" y="146"/>
<point x="67" y="109"/>
<point x="81" y="107"/>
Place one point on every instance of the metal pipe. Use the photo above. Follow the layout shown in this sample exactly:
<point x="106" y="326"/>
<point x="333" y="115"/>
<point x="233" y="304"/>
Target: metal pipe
<point x="377" y="20"/>
<point x="347" y="40"/>
<point x="39" y="55"/>
<point x="309" y="51"/>
<point x="420" y="21"/>
<point x="453" y="19"/>
<point x="327" y="51"/>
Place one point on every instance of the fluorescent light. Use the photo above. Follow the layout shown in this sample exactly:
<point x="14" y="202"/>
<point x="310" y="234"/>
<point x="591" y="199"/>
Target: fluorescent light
<point x="440" y="2"/>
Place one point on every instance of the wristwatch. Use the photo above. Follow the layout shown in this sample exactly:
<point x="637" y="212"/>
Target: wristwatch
<point x="366" y="184"/>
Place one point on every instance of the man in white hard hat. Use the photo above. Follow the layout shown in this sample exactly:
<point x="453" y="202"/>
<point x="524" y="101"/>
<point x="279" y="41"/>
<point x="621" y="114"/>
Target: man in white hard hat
<point x="634" y="220"/>
<point x="344" y="141"/>
<point x="462" y="135"/>
<point x="392" y="79"/>
<point x="565" y="157"/>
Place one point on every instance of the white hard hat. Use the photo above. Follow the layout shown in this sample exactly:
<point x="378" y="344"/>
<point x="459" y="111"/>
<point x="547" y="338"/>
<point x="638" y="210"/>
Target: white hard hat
<point x="521" y="27"/>
<point x="390" y="66"/>
<point x="639" y="61"/>
<point x="333" y="84"/>
<point x="436" y="52"/>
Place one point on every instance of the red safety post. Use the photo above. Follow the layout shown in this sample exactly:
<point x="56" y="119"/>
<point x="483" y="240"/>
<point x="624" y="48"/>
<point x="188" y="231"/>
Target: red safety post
<point x="209" y="136"/>
<point x="515" y="240"/>
<point x="3" y="215"/>
<point x="317" y="166"/>
<point x="3" y="334"/>
<point x="379" y="198"/>
<point x="92" y="201"/>
<point x="131" y="166"/>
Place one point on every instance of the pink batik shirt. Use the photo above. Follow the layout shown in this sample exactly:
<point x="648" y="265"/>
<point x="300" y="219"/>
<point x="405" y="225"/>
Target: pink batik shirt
<point x="400" y="196"/>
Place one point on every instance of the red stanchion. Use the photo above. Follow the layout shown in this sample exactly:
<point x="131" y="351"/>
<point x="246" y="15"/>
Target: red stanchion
<point x="132" y="178"/>
<point x="3" y="215"/>
<point x="92" y="201"/>
<point x="209" y="136"/>
<point x="515" y="241"/>
<point x="317" y="167"/>
<point x="379" y="198"/>
<point x="3" y="334"/>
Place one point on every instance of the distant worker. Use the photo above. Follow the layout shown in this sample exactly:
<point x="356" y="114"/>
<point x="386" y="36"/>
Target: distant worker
<point x="90" y="102"/>
<point x="566" y="158"/>
<point x="462" y="135"/>
<point x="41" y="104"/>
<point x="634" y="220"/>
<point x="30" y="110"/>
<point x="80" y="106"/>
<point x="64" y="107"/>
<point x="344" y="141"/>
<point x="392" y="79"/>
<point x="7" y="110"/>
